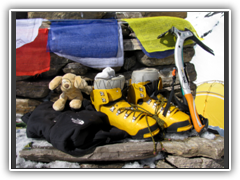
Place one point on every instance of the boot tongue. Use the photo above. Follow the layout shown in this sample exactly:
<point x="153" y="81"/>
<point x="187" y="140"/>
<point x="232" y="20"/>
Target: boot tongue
<point x="107" y="80"/>
<point x="146" y="74"/>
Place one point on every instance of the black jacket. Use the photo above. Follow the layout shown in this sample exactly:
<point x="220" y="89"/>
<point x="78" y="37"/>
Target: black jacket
<point x="73" y="132"/>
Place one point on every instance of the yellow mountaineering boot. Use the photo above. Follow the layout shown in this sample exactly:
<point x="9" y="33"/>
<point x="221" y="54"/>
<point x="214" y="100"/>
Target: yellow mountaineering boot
<point x="107" y="98"/>
<point x="144" y="85"/>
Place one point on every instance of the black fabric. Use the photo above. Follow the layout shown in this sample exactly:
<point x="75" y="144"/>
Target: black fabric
<point x="74" y="132"/>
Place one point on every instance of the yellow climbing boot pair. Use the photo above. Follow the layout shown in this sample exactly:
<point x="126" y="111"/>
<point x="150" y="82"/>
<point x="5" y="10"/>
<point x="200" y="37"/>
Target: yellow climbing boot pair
<point x="141" y="113"/>
<point x="107" y="98"/>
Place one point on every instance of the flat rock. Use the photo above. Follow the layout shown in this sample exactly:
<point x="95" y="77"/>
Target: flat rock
<point x="162" y="164"/>
<point x="188" y="53"/>
<point x="181" y="162"/>
<point x="121" y="15"/>
<point x="113" y="152"/>
<point x="75" y="68"/>
<point x="166" y="13"/>
<point x="66" y="15"/>
<point x="196" y="146"/>
<point x="21" y="78"/>
<point x="103" y="165"/>
<point x="26" y="105"/>
<point x="32" y="89"/>
<point x="131" y="45"/>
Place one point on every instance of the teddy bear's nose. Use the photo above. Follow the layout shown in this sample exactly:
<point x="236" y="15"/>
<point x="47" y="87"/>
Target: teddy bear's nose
<point x="66" y="85"/>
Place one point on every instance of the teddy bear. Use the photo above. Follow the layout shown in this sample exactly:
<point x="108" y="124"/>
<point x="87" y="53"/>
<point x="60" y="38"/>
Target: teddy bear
<point x="72" y="87"/>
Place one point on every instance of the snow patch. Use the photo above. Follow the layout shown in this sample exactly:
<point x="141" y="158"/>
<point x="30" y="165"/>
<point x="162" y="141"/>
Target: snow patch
<point x="208" y="135"/>
<point x="22" y="140"/>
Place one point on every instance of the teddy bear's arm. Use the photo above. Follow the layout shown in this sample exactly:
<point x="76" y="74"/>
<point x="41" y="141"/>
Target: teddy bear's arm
<point x="87" y="89"/>
<point x="82" y="84"/>
<point x="55" y="82"/>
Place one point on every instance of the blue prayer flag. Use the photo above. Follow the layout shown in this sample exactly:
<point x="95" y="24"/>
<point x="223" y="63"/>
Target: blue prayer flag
<point x="95" y="38"/>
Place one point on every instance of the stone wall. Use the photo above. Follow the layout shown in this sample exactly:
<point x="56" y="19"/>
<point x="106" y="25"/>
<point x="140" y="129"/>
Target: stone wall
<point x="32" y="90"/>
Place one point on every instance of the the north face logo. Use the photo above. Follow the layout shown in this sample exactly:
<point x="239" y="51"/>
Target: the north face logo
<point x="77" y="121"/>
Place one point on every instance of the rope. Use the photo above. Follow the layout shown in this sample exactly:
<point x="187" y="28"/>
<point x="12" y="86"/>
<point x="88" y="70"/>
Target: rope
<point x="135" y="108"/>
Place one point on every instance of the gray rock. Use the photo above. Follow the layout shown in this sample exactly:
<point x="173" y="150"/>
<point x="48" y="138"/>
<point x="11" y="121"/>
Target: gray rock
<point x="157" y="13"/>
<point x="196" y="146"/>
<point x="21" y="78"/>
<point x="33" y="89"/>
<point x="166" y="74"/>
<point x="188" y="53"/>
<point x="181" y="162"/>
<point x="122" y="15"/>
<point x="113" y="152"/>
<point x="129" y="62"/>
<point x="107" y="165"/>
<point x="125" y="31"/>
<point x="131" y="45"/>
<point x="66" y="15"/>
<point x="75" y="68"/>
<point x="26" y="105"/>
<point x="56" y="65"/>
<point x="162" y="164"/>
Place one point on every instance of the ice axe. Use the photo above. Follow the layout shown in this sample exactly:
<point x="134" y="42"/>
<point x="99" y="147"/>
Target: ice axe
<point x="199" y="125"/>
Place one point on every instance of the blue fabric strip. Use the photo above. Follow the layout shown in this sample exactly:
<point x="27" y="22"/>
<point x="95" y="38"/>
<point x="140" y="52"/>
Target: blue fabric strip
<point x="93" y="38"/>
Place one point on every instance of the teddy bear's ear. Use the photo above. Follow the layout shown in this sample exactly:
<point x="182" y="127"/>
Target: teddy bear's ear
<point x="55" y="82"/>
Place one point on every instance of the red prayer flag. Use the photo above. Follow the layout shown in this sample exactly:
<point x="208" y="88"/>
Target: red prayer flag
<point x="33" y="58"/>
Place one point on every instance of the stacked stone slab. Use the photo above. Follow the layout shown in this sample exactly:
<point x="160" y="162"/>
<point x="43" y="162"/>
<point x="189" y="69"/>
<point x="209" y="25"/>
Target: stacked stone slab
<point x="194" y="152"/>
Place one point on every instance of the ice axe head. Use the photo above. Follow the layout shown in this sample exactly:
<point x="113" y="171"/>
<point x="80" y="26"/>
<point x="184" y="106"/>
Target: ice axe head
<point x="185" y="35"/>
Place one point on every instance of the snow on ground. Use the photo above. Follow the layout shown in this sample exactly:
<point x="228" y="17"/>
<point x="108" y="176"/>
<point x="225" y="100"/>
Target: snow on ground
<point x="211" y="26"/>
<point x="22" y="141"/>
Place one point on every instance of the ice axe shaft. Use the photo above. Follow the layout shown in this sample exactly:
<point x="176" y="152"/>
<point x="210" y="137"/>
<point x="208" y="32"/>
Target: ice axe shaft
<point x="181" y="36"/>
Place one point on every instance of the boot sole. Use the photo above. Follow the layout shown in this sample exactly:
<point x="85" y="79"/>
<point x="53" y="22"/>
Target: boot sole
<point x="145" y="134"/>
<point x="179" y="127"/>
